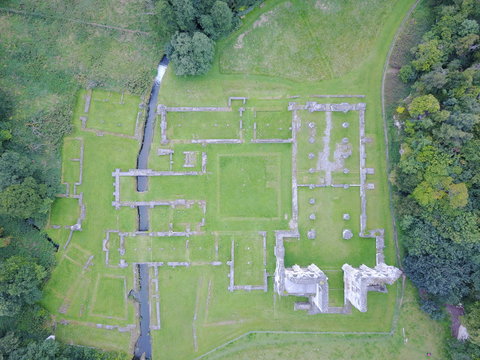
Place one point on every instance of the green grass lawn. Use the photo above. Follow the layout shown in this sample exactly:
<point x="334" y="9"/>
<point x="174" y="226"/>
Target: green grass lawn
<point x="248" y="186"/>
<point x="288" y="47"/>
<point x="273" y="124"/>
<point x="203" y="125"/>
<point x="84" y="335"/>
<point x="352" y="134"/>
<point x="71" y="148"/>
<point x="113" y="112"/>
<point x="160" y="217"/>
<point x="65" y="211"/>
<point x="71" y="154"/>
<point x="112" y="294"/>
<point x="249" y="260"/>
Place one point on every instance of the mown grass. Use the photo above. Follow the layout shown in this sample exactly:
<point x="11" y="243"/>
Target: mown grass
<point x="249" y="261"/>
<point x="113" y="112"/>
<point x="83" y="335"/>
<point x="273" y="125"/>
<point x="362" y="75"/>
<point x="422" y="336"/>
<point x="65" y="211"/>
<point x="244" y="189"/>
<point x="203" y="125"/>
<point x="75" y="294"/>
<point x="109" y="291"/>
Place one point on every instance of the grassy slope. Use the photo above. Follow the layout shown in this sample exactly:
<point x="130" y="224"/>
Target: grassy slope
<point x="54" y="57"/>
<point x="46" y="57"/>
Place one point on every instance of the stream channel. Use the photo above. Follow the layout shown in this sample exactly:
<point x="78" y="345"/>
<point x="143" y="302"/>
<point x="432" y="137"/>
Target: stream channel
<point x="144" y="343"/>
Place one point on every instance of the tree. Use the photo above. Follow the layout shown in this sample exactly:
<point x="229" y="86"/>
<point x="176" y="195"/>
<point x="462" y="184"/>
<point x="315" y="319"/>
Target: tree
<point x="427" y="55"/>
<point x="451" y="136"/>
<point x="441" y="274"/>
<point x="434" y="81"/>
<point x="6" y="109"/>
<point x="462" y="350"/>
<point x="240" y="4"/>
<point x="8" y="344"/>
<point x="426" y="194"/>
<point x="191" y="55"/>
<point x="466" y="44"/>
<point x="24" y="200"/>
<point x="438" y="174"/>
<point x="20" y="280"/>
<point x="5" y="240"/>
<point x="432" y="309"/>
<point x="218" y="22"/>
<point x="425" y="104"/>
<point x="15" y="168"/>
<point x="472" y="321"/>
<point x="165" y="20"/>
<point x="5" y="135"/>
<point x="458" y="195"/>
<point x="407" y="73"/>
<point x="464" y="121"/>
<point x="53" y="350"/>
<point x="188" y="28"/>
<point x="458" y="225"/>
<point x="45" y="350"/>
<point x="203" y="6"/>
<point x="185" y="15"/>
<point x="468" y="26"/>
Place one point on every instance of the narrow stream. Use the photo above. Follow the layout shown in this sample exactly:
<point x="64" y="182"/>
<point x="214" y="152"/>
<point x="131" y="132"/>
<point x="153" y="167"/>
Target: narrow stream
<point x="144" y="344"/>
<point x="142" y="160"/>
<point x="142" y="218"/>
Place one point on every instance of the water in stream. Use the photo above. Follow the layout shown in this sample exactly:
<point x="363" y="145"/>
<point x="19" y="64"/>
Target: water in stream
<point x="144" y="344"/>
<point x="142" y="160"/>
<point x="143" y="218"/>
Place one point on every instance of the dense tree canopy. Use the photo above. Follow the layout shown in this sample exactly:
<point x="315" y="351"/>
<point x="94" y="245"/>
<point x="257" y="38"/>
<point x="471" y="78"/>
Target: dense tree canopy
<point x="218" y="21"/>
<point x="15" y="168"/>
<point x="437" y="177"/>
<point x="191" y="55"/>
<point x="11" y="349"/>
<point x="25" y="199"/>
<point x="20" y="280"/>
